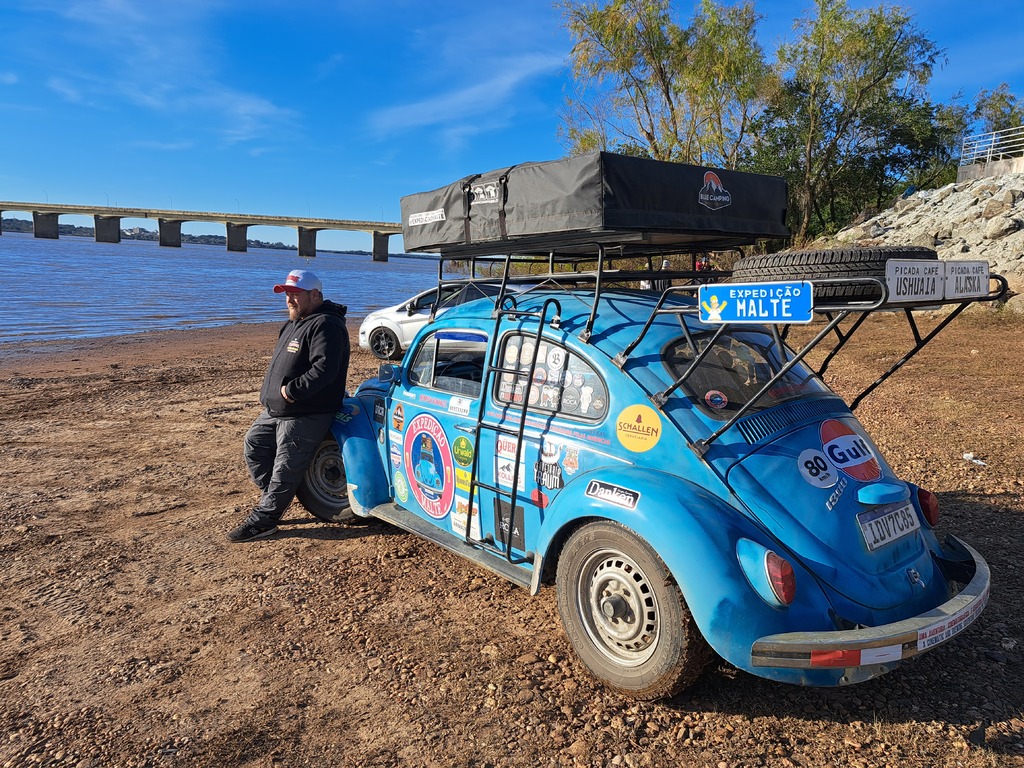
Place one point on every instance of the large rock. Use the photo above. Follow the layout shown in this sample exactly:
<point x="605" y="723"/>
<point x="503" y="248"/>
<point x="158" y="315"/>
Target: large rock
<point x="1001" y="226"/>
<point x="975" y="219"/>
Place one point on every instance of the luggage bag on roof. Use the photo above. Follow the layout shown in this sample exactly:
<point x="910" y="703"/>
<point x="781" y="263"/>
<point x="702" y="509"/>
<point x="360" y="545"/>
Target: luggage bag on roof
<point x="536" y="207"/>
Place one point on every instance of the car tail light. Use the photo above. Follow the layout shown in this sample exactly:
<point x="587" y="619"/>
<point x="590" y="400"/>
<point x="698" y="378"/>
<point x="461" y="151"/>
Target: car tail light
<point x="929" y="506"/>
<point x="781" y="577"/>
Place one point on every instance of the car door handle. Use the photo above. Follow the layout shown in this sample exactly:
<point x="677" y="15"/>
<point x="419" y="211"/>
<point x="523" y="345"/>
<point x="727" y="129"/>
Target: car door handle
<point x="469" y="429"/>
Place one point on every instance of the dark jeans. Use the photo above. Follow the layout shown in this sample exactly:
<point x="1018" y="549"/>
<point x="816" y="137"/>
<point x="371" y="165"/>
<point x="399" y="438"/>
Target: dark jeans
<point x="277" y="452"/>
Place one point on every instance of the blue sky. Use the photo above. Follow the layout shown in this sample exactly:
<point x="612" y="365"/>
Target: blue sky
<point x="332" y="109"/>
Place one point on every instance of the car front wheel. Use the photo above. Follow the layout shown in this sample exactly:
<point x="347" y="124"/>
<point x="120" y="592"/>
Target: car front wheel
<point x="625" y="616"/>
<point x="384" y="344"/>
<point x="324" y="488"/>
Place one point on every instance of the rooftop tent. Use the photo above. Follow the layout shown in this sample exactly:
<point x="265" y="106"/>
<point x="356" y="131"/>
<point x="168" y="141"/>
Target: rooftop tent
<point x="599" y="197"/>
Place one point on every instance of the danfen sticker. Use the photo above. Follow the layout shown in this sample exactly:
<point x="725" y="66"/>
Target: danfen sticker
<point x="849" y="452"/>
<point x="613" y="494"/>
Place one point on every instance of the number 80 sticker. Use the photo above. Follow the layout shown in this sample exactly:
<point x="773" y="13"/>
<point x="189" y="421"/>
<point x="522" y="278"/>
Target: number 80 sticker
<point x="817" y="469"/>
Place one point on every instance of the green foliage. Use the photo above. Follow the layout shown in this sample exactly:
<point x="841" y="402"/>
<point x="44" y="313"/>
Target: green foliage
<point x="645" y="85"/>
<point x="998" y="110"/>
<point x="842" y="112"/>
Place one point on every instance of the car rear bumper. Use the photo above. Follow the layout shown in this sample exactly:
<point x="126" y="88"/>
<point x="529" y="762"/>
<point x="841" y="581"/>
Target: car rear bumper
<point x="881" y="647"/>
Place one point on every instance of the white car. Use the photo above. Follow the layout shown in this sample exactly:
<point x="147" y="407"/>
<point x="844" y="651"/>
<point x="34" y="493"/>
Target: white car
<point x="388" y="332"/>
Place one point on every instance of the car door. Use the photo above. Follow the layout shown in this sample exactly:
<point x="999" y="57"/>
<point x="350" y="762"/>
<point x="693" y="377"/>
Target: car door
<point x="432" y="423"/>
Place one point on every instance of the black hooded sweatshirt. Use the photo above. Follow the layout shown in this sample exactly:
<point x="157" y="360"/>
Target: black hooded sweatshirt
<point x="311" y="362"/>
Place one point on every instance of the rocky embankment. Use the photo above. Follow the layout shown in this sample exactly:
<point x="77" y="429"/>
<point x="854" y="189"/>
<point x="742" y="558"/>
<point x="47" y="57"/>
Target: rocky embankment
<point x="981" y="219"/>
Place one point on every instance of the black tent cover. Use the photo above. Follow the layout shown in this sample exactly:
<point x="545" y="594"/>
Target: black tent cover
<point x="573" y="203"/>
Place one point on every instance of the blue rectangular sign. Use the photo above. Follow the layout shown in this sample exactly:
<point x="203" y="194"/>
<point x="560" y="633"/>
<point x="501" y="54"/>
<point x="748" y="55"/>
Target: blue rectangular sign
<point x="756" y="302"/>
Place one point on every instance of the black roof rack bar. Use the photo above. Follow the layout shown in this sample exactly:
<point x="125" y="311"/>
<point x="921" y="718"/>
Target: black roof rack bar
<point x="620" y="359"/>
<point x="660" y="398"/>
<point x="922" y="341"/>
<point x="843" y="338"/>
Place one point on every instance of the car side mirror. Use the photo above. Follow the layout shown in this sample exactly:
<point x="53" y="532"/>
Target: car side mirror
<point x="387" y="373"/>
<point x="410" y="308"/>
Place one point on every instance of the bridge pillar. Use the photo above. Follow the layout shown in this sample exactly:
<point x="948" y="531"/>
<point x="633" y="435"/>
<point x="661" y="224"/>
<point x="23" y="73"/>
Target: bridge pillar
<point x="107" y="228"/>
<point x="307" y="241"/>
<point x="46" y="225"/>
<point x="170" y="232"/>
<point x="380" y="246"/>
<point x="237" y="237"/>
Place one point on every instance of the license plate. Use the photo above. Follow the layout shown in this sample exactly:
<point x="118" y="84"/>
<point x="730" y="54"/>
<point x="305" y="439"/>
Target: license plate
<point x="887" y="524"/>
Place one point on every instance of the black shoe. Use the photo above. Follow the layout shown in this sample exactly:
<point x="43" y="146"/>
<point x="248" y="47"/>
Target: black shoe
<point x="251" y="531"/>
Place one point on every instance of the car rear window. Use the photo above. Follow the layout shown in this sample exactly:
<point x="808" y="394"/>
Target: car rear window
<point x="738" y="366"/>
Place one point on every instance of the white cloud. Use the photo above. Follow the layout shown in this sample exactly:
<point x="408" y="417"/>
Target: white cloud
<point x="65" y="89"/>
<point x="8" y="78"/>
<point x="487" y="100"/>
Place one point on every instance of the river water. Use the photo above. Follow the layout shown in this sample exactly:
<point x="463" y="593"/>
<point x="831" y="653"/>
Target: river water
<point x="77" y="288"/>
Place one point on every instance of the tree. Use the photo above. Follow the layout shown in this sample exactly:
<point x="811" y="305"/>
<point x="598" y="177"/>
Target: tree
<point x="998" y="110"/>
<point x="645" y="85"/>
<point x="845" y="71"/>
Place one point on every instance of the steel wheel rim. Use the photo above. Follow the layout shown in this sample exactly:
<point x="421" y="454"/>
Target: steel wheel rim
<point x="327" y="479"/>
<point x="617" y="603"/>
<point x="381" y="344"/>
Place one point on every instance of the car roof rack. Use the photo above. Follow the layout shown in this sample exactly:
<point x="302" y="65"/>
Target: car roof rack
<point x="595" y="271"/>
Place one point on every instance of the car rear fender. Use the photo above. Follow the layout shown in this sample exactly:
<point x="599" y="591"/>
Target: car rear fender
<point x="697" y="536"/>
<point x="353" y="428"/>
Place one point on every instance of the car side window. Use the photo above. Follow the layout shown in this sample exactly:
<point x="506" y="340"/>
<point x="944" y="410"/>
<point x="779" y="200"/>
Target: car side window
<point x="563" y="382"/>
<point x="451" y="361"/>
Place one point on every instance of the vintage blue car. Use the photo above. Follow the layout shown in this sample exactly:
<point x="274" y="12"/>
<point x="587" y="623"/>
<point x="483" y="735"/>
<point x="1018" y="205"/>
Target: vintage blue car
<point x="688" y="484"/>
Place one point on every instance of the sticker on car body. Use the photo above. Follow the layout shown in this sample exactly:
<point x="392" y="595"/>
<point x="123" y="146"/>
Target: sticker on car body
<point x="849" y="452"/>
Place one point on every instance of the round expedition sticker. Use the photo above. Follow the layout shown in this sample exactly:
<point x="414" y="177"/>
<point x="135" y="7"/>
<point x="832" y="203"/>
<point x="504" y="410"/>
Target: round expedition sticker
<point x="638" y="428"/>
<point x="428" y="460"/>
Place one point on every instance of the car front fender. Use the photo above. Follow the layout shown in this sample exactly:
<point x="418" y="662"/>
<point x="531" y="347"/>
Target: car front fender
<point x="354" y="430"/>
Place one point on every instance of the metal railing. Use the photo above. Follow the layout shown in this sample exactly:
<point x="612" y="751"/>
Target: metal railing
<point x="998" y="145"/>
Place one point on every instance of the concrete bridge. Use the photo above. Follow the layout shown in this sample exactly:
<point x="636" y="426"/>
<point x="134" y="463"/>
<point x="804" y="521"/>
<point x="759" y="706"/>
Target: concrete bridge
<point x="45" y="223"/>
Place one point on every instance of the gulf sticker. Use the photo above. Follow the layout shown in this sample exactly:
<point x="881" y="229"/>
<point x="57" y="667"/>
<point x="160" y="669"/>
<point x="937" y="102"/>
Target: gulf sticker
<point x="428" y="458"/>
<point x="849" y="452"/>
<point x="638" y="428"/>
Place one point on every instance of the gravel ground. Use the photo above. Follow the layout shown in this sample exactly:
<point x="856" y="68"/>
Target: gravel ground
<point x="133" y="635"/>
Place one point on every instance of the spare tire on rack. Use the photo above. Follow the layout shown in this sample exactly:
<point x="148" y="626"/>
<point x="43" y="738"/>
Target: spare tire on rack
<point x="818" y="265"/>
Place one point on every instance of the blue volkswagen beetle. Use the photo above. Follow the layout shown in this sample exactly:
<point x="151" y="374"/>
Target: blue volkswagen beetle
<point x="683" y="478"/>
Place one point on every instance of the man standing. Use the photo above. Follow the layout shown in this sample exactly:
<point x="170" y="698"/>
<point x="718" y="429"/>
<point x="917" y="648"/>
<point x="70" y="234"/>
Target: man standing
<point x="301" y="392"/>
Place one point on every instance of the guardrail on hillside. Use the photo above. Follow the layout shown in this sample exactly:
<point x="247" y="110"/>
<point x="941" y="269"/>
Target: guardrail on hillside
<point x="998" y="145"/>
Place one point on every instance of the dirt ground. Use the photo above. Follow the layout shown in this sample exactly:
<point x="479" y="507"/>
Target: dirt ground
<point x="132" y="634"/>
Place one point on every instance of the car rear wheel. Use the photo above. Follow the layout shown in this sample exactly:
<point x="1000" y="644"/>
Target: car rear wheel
<point x="817" y="265"/>
<point x="384" y="344"/>
<point x="624" y="614"/>
<point x="324" y="488"/>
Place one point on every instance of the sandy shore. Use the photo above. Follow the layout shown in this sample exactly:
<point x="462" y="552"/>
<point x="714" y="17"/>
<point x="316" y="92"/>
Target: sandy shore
<point x="132" y="634"/>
